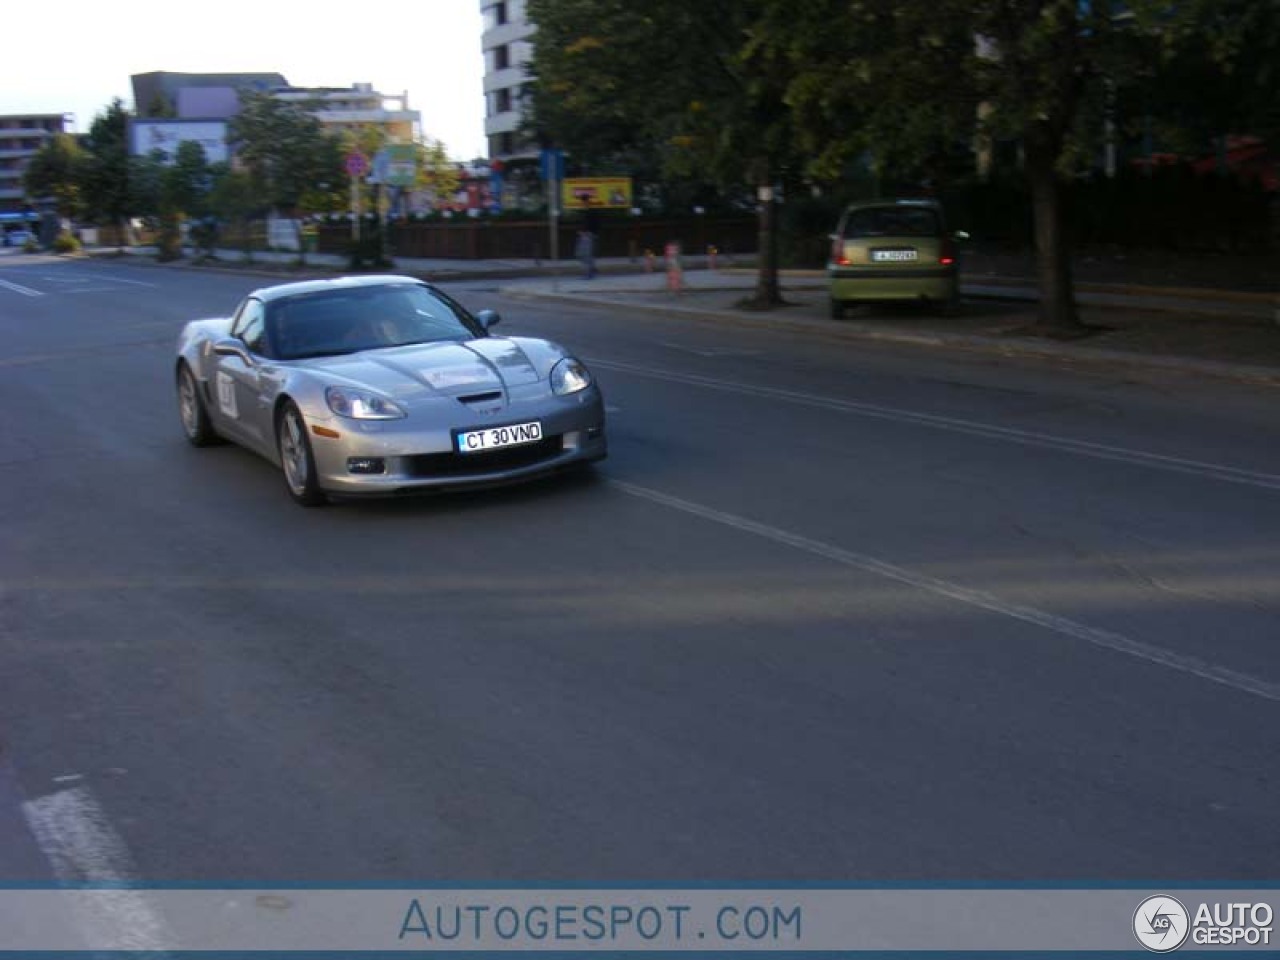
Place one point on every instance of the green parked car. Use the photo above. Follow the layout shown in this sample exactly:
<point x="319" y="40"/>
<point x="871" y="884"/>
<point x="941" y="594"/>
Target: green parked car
<point x="886" y="250"/>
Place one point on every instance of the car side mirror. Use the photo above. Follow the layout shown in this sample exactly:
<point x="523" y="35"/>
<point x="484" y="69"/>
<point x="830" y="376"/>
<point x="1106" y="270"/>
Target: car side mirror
<point x="231" y="347"/>
<point x="961" y="235"/>
<point x="488" y="318"/>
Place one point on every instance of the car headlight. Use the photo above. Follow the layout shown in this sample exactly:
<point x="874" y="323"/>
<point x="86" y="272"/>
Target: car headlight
<point x="570" y="375"/>
<point x="361" y="405"/>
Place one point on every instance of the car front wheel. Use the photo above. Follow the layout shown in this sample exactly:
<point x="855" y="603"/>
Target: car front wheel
<point x="191" y="409"/>
<point x="296" y="459"/>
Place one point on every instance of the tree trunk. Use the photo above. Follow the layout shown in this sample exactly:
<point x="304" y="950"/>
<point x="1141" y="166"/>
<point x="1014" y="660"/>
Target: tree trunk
<point x="768" y="293"/>
<point x="1057" y="315"/>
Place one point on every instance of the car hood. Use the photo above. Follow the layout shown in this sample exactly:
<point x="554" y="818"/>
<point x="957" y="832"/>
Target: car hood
<point x="448" y="368"/>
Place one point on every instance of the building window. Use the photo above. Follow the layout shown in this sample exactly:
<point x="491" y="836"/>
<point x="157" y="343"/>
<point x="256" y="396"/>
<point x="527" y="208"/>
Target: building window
<point x="495" y="16"/>
<point x="502" y="144"/>
<point x="501" y="58"/>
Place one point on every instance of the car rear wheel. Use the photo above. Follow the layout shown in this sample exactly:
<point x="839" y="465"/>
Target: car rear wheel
<point x="838" y="308"/>
<point x="296" y="459"/>
<point x="191" y="409"/>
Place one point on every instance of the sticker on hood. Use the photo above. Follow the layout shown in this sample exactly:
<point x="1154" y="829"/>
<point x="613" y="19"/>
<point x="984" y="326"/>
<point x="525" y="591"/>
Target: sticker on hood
<point x="446" y="378"/>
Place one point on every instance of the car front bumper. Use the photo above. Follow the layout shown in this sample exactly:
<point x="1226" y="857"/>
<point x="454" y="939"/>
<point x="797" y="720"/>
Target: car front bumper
<point x="411" y="458"/>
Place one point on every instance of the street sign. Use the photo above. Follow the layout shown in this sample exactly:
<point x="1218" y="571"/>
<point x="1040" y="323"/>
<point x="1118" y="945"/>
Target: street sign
<point x="552" y="164"/>
<point x="401" y="165"/>
<point x="578" y="193"/>
<point x="357" y="164"/>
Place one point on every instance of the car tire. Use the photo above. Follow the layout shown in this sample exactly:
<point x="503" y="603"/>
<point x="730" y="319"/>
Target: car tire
<point x="838" y="308"/>
<point x="192" y="411"/>
<point x="296" y="459"/>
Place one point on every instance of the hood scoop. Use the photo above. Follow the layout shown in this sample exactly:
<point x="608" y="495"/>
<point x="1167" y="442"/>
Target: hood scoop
<point x="487" y="397"/>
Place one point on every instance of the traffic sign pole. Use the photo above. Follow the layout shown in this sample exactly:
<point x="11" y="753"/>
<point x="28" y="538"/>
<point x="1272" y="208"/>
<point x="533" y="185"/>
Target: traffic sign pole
<point x="357" y="166"/>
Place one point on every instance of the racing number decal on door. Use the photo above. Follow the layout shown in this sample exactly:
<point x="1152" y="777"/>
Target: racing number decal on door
<point x="227" y="395"/>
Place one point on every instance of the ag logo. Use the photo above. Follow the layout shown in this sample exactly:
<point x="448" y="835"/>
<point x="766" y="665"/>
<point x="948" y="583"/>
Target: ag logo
<point x="1161" y="924"/>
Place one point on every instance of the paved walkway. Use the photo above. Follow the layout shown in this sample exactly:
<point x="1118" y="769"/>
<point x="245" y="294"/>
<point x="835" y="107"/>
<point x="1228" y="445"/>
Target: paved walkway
<point x="1231" y="332"/>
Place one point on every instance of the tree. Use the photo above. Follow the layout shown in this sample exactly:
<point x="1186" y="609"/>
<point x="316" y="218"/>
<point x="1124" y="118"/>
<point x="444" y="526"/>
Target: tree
<point x="234" y="197"/>
<point x="898" y="76"/>
<point x="106" y="182"/>
<point x="687" y="88"/>
<point x="188" y="180"/>
<point x="437" y="174"/>
<point x="284" y="148"/>
<point x="57" y="172"/>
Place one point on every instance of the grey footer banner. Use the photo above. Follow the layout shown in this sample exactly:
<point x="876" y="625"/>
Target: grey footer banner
<point x="134" y="918"/>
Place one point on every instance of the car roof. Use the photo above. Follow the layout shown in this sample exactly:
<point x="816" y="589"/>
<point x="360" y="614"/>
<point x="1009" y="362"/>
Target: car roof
<point x="928" y="202"/>
<point x="281" y="290"/>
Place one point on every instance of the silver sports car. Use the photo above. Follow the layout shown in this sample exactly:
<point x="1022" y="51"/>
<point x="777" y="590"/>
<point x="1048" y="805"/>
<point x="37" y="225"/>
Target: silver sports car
<point x="382" y="385"/>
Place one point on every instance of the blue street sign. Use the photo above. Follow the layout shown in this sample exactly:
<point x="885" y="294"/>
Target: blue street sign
<point x="552" y="164"/>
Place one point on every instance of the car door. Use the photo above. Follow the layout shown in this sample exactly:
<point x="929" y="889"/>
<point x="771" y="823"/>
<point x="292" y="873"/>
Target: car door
<point x="241" y="388"/>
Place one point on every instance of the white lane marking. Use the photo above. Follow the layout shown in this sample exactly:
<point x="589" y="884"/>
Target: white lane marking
<point x="96" y="277"/>
<point x="1030" y="438"/>
<point x="19" y="288"/>
<point x="1105" y="639"/>
<point x="73" y="831"/>
<point x="710" y="353"/>
<point x="93" y="290"/>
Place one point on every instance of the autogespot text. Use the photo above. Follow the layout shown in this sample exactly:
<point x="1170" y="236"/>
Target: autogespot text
<point x="432" y="922"/>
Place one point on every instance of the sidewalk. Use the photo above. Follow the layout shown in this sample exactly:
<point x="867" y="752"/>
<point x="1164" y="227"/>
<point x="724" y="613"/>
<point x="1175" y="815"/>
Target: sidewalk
<point x="1230" y="333"/>
<point x="1229" y="338"/>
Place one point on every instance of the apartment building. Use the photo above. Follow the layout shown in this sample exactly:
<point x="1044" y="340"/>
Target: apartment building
<point x="21" y="136"/>
<point x="507" y="43"/>
<point x="173" y="107"/>
<point x="348" y="108"/>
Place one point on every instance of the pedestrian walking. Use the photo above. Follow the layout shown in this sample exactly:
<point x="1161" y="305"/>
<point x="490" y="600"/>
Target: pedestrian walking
<point x="588" y="237"/>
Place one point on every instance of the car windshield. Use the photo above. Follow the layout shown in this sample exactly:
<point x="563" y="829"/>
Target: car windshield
<point x="892" y="222"/>
<point x="336" y="322"/>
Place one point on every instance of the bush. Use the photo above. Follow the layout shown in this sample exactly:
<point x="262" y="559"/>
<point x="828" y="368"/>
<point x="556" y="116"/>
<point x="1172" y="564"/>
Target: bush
<point x="66" y="242"/>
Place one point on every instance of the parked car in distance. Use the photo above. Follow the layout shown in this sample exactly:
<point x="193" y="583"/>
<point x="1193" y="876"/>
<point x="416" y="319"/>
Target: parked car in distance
<point x="18" y="238"/>
<point x="894" y="250"/>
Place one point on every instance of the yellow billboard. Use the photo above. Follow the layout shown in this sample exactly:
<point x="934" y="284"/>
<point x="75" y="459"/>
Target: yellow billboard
<point x="578" y="193"/>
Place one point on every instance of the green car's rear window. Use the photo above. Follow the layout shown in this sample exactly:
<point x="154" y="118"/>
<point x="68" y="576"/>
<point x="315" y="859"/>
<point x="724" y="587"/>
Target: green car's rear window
<point x="892" y="222"/>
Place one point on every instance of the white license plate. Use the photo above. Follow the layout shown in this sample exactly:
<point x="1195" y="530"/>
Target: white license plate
<point x="494" y="438"/>
<point x="892" y="255"/>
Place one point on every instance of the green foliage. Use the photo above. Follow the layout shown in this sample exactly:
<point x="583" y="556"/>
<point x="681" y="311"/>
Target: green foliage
<point x="437" y="174"/>
<point x="105" y="182"/>
<point x="188" y="181"/>
<point x="57" y="171"/>
<point x="1214" y="69"/>
<point x="235" y="198"/>
<point x="66" y="242"/>
<point x="285" y="150"/>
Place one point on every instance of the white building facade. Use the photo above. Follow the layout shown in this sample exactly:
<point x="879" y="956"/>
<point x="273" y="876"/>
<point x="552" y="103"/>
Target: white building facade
<point x="507" y="43"/>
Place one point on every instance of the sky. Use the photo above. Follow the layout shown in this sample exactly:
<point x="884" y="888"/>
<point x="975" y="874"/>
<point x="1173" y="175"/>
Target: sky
<point x="74" y="56"/>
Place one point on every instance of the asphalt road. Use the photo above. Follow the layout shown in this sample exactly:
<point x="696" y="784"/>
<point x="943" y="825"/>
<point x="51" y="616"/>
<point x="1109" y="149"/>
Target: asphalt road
<point x="828" y="612"/>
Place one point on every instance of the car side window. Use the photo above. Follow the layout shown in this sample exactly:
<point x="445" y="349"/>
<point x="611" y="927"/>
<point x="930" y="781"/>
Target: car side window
<point x="250" y="327"/>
